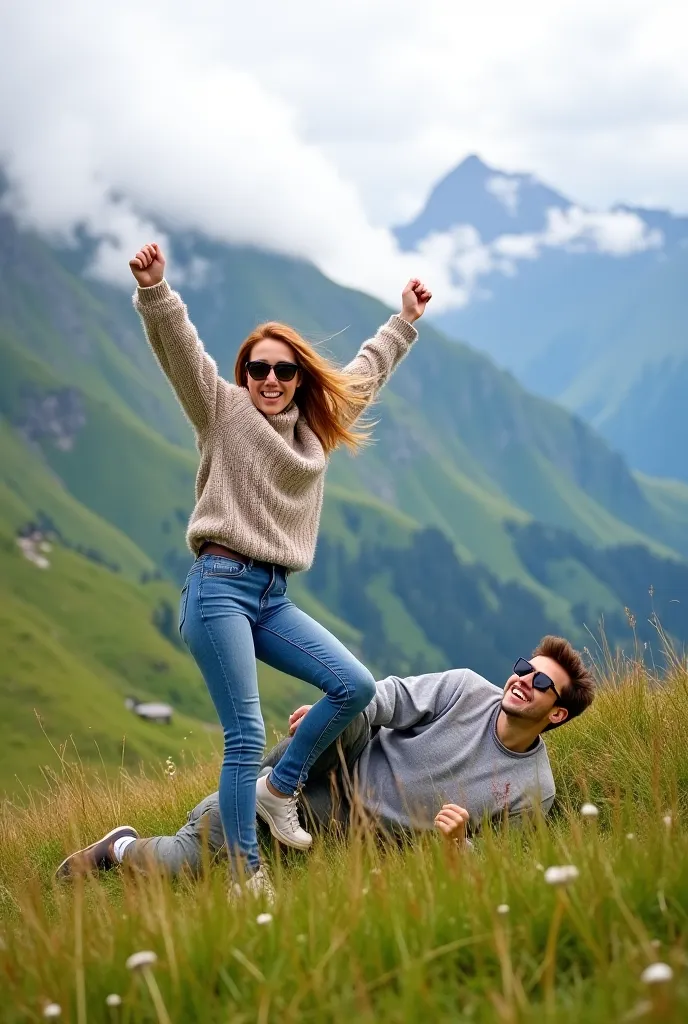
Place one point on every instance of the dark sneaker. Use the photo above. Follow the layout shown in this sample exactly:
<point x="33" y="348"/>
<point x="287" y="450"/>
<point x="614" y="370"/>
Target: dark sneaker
<point x="98" y="856"/>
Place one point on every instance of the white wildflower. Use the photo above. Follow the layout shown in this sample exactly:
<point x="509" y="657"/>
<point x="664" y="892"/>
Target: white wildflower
<point x="589" y="811"/>
<point x="503" y="908"/>
<point x="630" y="835"/>
<point x="52" y="1010"/>
<point x="561" y="875"/>
<point x="667" y="820"/>
<point x="113" y="1000"/>
<point x="375" y="871"/>
<point x="146" y="958"/>
<point x="656" y="974"/>
<point x="264" y="919"/>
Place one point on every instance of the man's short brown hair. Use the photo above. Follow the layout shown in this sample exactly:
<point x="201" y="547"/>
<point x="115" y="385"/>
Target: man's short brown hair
<point x="580" y="692"/>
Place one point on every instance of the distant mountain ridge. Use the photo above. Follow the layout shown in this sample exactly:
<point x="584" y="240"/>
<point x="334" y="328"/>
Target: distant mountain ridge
<point x="604" y="334"/>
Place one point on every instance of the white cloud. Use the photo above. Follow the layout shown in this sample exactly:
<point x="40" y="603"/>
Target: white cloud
<point x="307" y="127"/>
<point x="141" y="122"/>
<point x="618" y="233"/>
<point x="505" y="190"/>
<point x="469" y="259"/>
<point x="520" y="247"/>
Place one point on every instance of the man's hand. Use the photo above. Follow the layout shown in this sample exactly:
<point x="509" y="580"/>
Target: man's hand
<point x="296" y="717"/>
<point x="148" y="265"/>
<point x="451" y="821"/>
<point x="414" y="299"/>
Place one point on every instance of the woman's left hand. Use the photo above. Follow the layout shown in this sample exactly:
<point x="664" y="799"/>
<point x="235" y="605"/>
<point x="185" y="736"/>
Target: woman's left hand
<point x="414" y="299"/>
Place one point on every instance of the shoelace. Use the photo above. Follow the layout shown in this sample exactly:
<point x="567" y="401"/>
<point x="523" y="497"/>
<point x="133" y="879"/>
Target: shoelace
<point x="293" y="814"/>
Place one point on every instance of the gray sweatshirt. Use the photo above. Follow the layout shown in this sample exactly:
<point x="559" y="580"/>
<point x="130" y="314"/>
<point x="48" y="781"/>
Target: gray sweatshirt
<point x="434" y="742"/>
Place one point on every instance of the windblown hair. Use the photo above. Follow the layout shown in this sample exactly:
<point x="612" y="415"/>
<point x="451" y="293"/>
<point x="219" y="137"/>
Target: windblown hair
<point x="329" y="398"/>
<point x="580" y="691"/>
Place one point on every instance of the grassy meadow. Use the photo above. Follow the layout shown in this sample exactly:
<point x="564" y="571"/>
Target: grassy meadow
<point x="365" y="934"/>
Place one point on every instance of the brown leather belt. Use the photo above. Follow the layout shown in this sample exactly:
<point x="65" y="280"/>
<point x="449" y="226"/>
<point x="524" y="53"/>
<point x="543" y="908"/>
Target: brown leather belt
<point x="209" y="547"/>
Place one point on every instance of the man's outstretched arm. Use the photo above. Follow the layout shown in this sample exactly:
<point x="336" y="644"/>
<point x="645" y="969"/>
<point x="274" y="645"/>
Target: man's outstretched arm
<point x="415" y="700"/>
<point x="402" y="703"/>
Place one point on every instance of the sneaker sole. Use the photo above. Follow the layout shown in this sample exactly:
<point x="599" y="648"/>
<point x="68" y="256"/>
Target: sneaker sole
<point x="80" y="853"/>
<point x="285" y="840"/>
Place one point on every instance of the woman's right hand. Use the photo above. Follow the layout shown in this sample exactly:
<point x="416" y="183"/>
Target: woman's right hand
<point x="148" y="265"/>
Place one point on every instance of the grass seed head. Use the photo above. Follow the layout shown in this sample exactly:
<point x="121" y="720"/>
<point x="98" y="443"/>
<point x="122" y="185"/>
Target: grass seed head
<point x="562" y="874"/>
<point x="146" y="958"/>
<point x="657" y="974"/>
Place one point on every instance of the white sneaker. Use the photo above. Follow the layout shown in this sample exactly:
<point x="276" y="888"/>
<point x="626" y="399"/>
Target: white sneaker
<point x="259" y="884"/>
<point x="282" y="816"/>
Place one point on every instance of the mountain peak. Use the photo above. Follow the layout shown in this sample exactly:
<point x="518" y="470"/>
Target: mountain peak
<point x="472" y="162"/>
<point x="494" y="202"/>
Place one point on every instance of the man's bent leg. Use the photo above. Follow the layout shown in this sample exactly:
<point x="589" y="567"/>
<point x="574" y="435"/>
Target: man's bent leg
<point x="329" y="784"/>
<point x="185" y="851"/>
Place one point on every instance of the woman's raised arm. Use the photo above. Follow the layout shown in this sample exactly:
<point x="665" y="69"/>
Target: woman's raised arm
<point x="173" y="338"/>
<point x="378" y="357"/>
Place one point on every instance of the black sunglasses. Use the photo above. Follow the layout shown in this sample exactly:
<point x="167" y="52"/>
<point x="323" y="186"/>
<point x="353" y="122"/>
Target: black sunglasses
<point x="541" y="681"/>
<point x="259" y="369"/>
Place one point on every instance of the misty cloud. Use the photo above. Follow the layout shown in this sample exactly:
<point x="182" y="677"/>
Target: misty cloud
<point x="305" y="128"/>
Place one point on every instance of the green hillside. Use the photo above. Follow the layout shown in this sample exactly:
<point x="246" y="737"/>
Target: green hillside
<point x="459" y="441"/>
<point x="429" y="545"/>
<point x="75" y="640"/>
<point x="28" y="488"/>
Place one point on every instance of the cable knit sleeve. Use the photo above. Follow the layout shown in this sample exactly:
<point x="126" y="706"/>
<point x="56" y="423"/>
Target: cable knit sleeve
<point x="379" y="357"/>
<point x="180" y="352"/>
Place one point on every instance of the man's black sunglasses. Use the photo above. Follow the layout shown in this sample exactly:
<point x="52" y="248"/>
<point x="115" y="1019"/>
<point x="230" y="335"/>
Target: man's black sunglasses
<point x="541" y="681"/>
<point x="259" y="369"/>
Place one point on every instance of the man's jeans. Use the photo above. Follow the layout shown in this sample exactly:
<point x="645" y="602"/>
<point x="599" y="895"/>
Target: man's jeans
<point x="325" y="800"/>
<point x="230" y="614"/>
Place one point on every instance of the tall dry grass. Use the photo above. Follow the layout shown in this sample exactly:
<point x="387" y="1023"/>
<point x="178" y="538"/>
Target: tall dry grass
<point x="360" y="933"/>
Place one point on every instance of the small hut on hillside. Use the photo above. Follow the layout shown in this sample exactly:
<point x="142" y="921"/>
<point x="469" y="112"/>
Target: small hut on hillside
<point x="150" y="710"/>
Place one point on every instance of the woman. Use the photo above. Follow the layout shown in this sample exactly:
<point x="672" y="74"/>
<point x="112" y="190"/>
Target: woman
<point x="264" y="444"/>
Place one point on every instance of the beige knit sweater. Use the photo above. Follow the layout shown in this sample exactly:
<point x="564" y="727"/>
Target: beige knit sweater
<point x="259" y="487"/>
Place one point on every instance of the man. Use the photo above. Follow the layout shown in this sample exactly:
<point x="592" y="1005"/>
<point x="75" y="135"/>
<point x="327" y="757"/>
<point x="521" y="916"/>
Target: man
<point x="441" y="751"/>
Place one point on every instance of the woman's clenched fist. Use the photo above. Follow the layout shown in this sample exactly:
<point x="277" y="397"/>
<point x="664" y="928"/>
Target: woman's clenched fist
<point x="148" y="265"/>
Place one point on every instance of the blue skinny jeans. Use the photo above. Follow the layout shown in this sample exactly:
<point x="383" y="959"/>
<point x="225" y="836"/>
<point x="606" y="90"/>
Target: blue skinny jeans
<point x="230" y="614"/>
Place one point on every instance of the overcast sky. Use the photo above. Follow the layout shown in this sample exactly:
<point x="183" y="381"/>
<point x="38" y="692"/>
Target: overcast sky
<point x="311" y="127"/>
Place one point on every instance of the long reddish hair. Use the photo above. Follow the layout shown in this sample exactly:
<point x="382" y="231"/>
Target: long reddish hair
<point x="330" y="399"/>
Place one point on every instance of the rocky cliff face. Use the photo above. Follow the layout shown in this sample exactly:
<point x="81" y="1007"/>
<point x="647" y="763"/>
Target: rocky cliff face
<point x="51" y="417"/>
